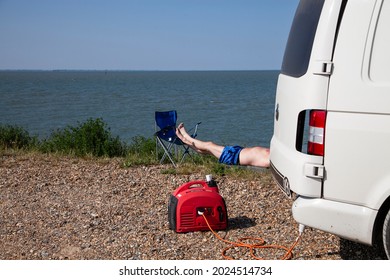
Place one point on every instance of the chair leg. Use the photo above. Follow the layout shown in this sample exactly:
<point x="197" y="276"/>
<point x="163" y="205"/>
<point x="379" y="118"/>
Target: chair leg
<point x="171" y="150"/>
<point x="186" y="153"/>
<point x="167" y="152"/>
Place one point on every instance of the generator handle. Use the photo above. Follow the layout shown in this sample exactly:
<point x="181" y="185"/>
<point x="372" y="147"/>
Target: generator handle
<point x="192" y="185"/>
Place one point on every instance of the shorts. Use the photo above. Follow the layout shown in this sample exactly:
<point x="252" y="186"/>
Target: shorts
<point x="230" y="155"/>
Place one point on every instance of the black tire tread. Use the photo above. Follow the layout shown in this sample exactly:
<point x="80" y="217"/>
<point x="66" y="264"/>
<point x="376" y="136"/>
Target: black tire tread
<point x="386" y="235"/>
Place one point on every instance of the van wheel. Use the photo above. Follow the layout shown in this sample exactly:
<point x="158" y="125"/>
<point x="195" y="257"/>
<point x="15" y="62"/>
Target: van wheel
<point x="386" y="235"/>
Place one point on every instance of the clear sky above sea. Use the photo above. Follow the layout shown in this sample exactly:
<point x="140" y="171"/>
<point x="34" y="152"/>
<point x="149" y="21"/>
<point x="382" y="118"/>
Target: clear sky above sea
<point x="144" y="34"/>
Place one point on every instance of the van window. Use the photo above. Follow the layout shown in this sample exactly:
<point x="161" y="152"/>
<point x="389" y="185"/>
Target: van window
<point x="380" y="55"/>
<point x="300" y="41"/>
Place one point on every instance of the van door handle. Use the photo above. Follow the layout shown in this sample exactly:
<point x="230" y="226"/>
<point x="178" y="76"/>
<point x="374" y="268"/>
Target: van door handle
<point x="316" y="171"/>
<point x="323" y="68"/>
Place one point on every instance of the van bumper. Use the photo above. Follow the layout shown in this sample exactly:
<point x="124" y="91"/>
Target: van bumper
<point x="348" y="221"/>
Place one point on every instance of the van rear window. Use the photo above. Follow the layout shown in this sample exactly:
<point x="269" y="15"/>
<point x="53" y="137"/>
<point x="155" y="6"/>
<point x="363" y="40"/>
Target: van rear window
<point x="300" y="41"/>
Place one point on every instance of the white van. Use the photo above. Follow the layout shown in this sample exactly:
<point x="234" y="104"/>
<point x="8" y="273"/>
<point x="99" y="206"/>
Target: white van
<point x="330" y="150"/>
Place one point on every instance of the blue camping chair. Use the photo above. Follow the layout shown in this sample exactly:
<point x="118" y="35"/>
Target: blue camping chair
<point x="167" y="139"/>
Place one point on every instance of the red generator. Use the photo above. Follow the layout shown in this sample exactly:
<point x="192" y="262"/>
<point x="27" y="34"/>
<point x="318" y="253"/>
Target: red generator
<point x="191" y="201"/>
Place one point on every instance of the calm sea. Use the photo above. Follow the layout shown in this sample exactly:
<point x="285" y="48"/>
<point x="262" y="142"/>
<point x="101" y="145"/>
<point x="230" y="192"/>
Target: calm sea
<point x="235" y="107"/>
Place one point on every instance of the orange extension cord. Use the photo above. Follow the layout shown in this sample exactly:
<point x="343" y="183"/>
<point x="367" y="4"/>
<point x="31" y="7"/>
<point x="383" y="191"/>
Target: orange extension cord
<point x="259" y="245"/>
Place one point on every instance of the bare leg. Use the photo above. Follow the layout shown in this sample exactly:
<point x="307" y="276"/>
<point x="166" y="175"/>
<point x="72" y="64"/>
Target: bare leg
<point x="253" y="156"/>
<point x="199" y="146"/>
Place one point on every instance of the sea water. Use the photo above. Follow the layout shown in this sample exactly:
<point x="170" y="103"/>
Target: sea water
<point x="234" y="107"/>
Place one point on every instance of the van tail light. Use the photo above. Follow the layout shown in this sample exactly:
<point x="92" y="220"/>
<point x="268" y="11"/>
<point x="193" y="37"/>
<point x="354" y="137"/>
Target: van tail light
<point x="316" y="143"/>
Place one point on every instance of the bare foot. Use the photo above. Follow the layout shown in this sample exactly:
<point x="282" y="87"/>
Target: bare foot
<point x="186" y="138"/>
<point x="183" y="135"/>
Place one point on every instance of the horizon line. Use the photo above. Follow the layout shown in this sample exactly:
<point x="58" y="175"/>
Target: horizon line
<point x="139" y="70"/>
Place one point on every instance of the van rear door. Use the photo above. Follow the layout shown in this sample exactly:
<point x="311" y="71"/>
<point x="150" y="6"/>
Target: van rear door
<point x="302" y="87"/>
<point x="358" y="122"/>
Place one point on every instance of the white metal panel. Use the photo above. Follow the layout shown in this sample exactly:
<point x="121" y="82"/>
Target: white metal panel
<point x="357" y="154"/>
<point x="379" y="69"/>
<point x="284" y="155"/>
<point x="295" y="95"/>
<point x="358" y="123"/>
<point x="325" y="35"/>
<point x="344" y="220"/>
<point x="351" y="89"/>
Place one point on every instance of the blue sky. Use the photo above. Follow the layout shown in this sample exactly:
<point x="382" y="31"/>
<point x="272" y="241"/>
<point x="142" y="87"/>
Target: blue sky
<point x="144" y="34"/>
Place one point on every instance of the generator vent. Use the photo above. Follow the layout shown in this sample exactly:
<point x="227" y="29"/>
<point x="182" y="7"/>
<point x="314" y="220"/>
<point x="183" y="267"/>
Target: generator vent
<point x="187" y="219"/>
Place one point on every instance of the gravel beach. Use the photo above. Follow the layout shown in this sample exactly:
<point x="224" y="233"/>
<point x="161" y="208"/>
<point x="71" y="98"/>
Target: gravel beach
<point x="70" y="208"/>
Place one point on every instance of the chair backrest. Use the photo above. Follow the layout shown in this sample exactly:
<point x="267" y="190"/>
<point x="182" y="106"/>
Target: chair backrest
<point x="166" y="119"/>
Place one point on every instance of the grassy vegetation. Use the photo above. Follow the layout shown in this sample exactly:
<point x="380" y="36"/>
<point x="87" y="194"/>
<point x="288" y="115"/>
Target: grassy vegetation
<point x="94" y="139"/>
<point x="16" y="137"/>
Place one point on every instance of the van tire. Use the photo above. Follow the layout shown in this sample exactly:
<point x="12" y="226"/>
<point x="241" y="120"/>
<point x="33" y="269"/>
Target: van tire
<point x="386" y="235"/>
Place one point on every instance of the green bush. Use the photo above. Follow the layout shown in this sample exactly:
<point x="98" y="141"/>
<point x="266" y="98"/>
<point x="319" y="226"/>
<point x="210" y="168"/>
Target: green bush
<point x="141" y="151"/>
<point x="15" y="137"/>
<point x="91" y="138"/>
